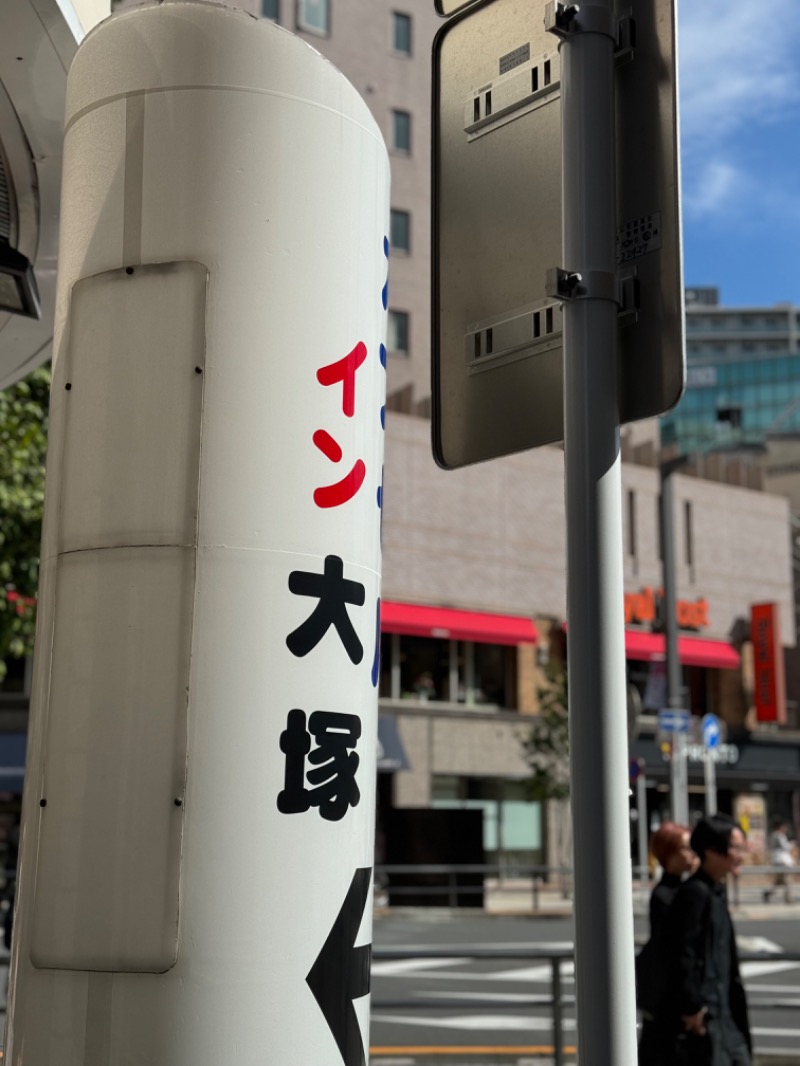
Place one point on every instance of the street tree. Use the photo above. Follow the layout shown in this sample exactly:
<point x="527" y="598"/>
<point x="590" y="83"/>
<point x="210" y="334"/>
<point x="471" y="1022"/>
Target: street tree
<point x="23" y="444"/>
<point x="547" y="742"/>
<point x="546" y="747"/>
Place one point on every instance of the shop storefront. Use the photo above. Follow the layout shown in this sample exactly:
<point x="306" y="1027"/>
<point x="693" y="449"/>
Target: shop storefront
<point x="757" y="779"/>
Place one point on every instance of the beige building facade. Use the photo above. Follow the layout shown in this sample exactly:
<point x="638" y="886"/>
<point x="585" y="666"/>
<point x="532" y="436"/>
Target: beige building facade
<point x="489" y="542"/>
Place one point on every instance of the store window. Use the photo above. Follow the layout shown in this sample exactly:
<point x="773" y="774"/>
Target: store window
<point x="512" y="821"/>
<point x="650" y="681"/>
<point x="313" y="16"/>
<point x="424" y="669"/>
<point x="493" y="681"/>
<point x="401" y="33"/>
<point x="401" y="131"/>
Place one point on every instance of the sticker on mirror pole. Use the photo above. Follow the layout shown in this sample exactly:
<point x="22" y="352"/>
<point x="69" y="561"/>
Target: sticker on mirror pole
<point x="341" y="972"/>
<point x="638" y="237"/>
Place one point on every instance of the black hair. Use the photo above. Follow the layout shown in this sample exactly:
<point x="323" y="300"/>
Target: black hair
<point x="713" y="834"/>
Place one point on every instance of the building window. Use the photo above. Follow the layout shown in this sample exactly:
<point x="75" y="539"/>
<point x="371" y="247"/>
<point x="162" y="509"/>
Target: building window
<point x="659" y="531"/>
<point x="400" y="232"/>
<point x="401" y="33"/>
<point x="397" y="336"/>
<point x="687" y="523"/>
<point x="431" y="670"/>
<point x="401" y="131"/>
<point x="271" y="9"/>
<point x="313" y="16"/>
<point x="631" y="522"/>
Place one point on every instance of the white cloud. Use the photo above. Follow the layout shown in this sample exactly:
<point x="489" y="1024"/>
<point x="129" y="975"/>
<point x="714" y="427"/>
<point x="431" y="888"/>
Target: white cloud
<point x="714" y="188"/>
<point x="737" y="65"/>
<point x="738" y="72"/>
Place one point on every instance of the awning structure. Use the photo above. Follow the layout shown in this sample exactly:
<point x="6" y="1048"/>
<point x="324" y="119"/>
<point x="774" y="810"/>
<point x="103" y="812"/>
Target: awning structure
<point x="448" y="624"/>
<point x="692" y="651"/>
<point x="391" y="753"/>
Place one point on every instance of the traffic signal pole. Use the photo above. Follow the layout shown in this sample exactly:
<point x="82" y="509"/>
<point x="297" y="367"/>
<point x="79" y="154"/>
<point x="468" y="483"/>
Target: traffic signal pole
<point x="606" y="1016"/>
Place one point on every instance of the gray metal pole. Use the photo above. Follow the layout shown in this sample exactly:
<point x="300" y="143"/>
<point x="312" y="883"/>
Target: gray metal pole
<point x="606" y="1014"/>
<point x="558" y="1022"/>
<point x="678" y="775"/>
<point x="641" y="806"/>
<point x="711" y="782"/>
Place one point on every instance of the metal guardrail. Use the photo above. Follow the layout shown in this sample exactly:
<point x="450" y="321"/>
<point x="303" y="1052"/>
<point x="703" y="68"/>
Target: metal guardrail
<point x="539" y="875"/>
<point x="768" y="874"/>
<point x="557" y="1000"/>
<point x="452" y="883"/>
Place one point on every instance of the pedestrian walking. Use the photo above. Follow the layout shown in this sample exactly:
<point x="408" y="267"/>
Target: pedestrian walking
<point x="704" y="1006"/>
<point x="780" y="855"/>
<point x="671" y="848"/>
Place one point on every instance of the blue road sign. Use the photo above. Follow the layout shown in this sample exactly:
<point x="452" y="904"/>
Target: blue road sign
<point x="673" y="721"/>
<point x="711" y="731"/>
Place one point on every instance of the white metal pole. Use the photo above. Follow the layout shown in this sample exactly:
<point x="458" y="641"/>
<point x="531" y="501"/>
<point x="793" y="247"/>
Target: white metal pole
<point x="679" y="780"/>
<point x="198" y="837"/>
<point x="710" y="781"/>
<point x="606" y="1015"/>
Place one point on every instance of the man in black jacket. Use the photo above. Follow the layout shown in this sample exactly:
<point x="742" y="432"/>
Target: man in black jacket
<point x="705" y="1005"/>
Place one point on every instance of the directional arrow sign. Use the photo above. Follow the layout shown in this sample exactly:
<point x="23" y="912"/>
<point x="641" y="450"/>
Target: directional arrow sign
<point x="711" y="731"/>
<point x="341" y="972"/>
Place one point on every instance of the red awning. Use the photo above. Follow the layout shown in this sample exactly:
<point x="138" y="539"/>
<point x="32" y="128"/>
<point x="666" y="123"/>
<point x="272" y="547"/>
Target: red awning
<point x="447" y="624"/>
<point x="692" y="650"/>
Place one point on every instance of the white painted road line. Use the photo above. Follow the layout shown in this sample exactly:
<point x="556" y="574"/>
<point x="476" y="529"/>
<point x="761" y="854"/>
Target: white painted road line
<point x="493" y="1022"/>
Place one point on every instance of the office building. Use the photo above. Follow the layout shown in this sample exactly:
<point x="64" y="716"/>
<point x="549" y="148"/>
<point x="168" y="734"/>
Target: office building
<point x="743" y="376"/>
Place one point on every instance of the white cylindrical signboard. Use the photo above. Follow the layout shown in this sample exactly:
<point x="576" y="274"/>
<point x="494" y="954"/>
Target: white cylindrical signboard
<point x="196" y="864"/>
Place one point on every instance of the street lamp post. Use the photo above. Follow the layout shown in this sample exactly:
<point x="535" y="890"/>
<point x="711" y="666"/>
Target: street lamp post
<point x="678" y="772"/>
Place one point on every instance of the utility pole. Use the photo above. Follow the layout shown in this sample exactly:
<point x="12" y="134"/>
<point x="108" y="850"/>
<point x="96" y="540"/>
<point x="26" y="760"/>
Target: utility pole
<point x="597" y="695"/>
<point x="678" y="771"/>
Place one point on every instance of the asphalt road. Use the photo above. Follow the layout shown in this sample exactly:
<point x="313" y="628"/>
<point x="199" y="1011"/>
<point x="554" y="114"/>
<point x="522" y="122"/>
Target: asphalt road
<point x="447" y="1006"/>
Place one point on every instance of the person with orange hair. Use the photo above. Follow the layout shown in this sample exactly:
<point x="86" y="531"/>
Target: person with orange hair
<point x="671" y="848"/>
<point x="670" y="845"/>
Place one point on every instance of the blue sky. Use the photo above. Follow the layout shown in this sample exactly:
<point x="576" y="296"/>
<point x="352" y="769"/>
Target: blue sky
<point x="740" y="143"/>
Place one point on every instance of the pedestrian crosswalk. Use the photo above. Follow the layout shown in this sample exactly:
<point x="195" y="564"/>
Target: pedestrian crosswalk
<point x="468" y="1009"/>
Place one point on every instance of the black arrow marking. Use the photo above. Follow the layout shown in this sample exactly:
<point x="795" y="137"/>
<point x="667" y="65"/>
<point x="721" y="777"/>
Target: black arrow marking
<point x="341" y="972"/>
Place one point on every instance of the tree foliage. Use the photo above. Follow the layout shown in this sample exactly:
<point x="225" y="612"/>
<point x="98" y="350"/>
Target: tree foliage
<point x="23" y="444"/>
<point x="547" y="743"/>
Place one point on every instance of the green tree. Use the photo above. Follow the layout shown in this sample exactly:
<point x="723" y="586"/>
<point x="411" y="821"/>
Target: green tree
<point x="547" y="741"/>
<point x="23" y="444"/>
<point x="546" y="746"/>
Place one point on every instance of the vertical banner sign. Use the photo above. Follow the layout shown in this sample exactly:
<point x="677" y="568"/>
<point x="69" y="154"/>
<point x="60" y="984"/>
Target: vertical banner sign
<point x="768" y="670"/>
<point x="198" y="820"/>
